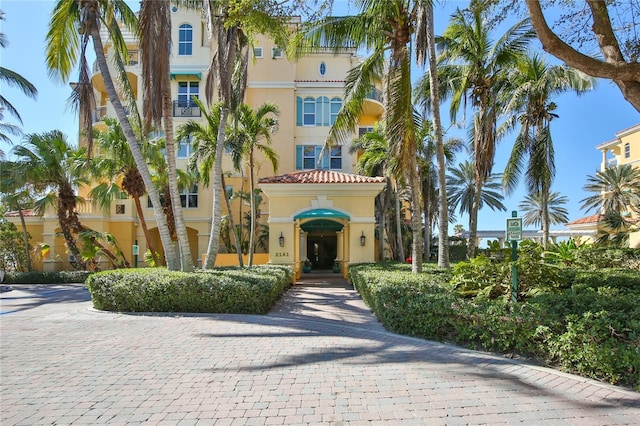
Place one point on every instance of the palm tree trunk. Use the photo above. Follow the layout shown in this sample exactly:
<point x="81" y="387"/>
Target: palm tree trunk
<point x="186" y="261"/>
<point x="234" y="230"/>
<point x="145" y="231"/>
<point x="214" y="238"/>
<point x="252" y="201"/>
<point x="473" y="222"/>
<point x="443" y="213"/>
<point x="426" y="230"/>
<point x="163" y="229"/>
<point x="545" y="215"/>
<point x="25" y="237"/>
<point x="416" y="216"/>
<point x="399" y="225"/>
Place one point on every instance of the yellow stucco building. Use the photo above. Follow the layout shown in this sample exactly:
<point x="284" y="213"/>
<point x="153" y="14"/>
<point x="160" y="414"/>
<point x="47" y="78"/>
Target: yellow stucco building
<point x="315" y="206"/>
<point x="623" y="149"/>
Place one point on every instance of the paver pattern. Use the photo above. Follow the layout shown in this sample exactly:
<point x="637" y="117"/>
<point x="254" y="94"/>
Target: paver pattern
<point x="320" y="357"/>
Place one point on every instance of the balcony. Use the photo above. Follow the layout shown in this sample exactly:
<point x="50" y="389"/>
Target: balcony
<point x="99" y="113"/>
<point x="186" y="109"/>
<point x="372" y="105"/>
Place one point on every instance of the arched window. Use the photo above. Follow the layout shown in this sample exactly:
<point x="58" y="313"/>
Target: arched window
<point x="627" y="150"/>
<point x="185" y="40"/>
<point x="322" y="68"/>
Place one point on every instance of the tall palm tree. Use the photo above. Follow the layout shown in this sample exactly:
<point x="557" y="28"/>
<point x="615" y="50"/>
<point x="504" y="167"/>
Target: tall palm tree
<point x="254" y="126"/>
<point x="535" y="83"/>
<point x="54" y="168"/>
<point x="430" y="173"/>
<point x="117" y="171"/>
<point x="155" y="44"/>
<point x="533" y="207"/>
<point x="461" y="187"/>
<point x="12" y="79"/>
<point x="616" y="193"/>
<point x="380" y="27"/>
<point x="73" y="24"/>
<point x="472" y="70"/>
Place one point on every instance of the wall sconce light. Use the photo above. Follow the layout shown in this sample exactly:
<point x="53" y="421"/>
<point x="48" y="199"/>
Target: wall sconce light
<point x="281" y="240"/>
<point x="363" y="239"/>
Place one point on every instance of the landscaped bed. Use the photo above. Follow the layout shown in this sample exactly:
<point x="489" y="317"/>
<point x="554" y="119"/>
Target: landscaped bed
<point x="581" y="321"/>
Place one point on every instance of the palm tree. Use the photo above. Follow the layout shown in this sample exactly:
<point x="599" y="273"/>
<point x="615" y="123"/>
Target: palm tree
<point x="118" y="172"/>
<point x="54" y="168"/>
<point x="616" y="193"/>
<point x="17" y="195"/>
<point x="533" y="207"/>
<point x="461" y="187"/>
<point x="73" y="24"/>
<point x="430" y="173"/>
<point x="376" y="161"/>
<point x="155" y="43"/>
<point x="380" y="27"/>
<point x="12" y="79"/>
<point x="472" y="69"/>
<point x="252" y="126"/>
<point x="534" y="84"/>
<point x="204" y="158"/>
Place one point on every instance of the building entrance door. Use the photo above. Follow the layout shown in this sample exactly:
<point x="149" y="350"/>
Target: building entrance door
<point x="322" y="250"/>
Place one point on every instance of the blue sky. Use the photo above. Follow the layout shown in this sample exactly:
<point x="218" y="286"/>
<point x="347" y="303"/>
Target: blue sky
<point x="584" y="122"/>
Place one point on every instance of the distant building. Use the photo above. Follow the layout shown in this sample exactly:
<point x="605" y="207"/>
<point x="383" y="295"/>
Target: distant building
<point x="623" y="149"/>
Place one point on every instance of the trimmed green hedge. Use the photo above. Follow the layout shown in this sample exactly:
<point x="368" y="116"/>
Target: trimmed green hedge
<point x="46" y="277"/>
<point x="591" y="328"/>
<point x="229" y="290"/>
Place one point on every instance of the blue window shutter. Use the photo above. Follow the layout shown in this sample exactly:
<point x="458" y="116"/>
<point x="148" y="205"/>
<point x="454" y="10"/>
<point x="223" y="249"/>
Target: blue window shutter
<point x="325" y="111"/>
<point x="298" y="111"/>
<point x="299" y="149"/>
<point x="319" y="111"/>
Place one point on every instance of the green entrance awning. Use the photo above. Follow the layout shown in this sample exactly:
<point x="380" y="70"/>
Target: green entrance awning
<point x="175" y="74"/>
<point x="321" y="214"/>
<point x="322" y="225"/>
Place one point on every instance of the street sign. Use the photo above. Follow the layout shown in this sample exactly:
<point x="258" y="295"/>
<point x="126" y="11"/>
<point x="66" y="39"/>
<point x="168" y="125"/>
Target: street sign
<point x="514" y="229"/>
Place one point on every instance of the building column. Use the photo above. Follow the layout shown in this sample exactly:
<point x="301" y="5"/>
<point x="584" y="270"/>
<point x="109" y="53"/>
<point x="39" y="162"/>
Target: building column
<point x="340" y="244"/>
<point x="303" y="245"/>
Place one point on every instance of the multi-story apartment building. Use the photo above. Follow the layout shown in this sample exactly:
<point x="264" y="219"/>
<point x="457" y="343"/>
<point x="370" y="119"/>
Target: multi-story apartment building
<point x="314" y="205"/>
<point x="623" y="149"/>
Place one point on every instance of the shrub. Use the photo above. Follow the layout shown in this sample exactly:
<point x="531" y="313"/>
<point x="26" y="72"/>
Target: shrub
<point x="228" y="290"/>
<point x="46" y="277"/>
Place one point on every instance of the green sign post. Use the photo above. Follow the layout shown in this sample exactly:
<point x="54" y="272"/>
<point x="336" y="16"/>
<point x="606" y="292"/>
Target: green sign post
<point x="514" y="234"/>
<point x="135" y="249"/>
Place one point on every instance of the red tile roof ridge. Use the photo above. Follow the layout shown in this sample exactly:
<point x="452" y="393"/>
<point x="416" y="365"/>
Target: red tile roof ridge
<point x="321" y="176"/>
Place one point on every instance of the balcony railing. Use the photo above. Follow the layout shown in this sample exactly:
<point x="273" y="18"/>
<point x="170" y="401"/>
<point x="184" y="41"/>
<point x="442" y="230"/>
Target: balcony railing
<point x="99" y="113"/>
<point x="375" y="94"/>
<point x="186" y="109"/>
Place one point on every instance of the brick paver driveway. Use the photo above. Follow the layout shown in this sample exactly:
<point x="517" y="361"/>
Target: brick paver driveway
<point x="319" y="358"/>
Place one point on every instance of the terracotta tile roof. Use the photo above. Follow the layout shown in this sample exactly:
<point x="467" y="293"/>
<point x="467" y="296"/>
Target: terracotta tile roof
<point x="584" y="220"/>
<point x="321" y="176"/>
<point x="16" y="213"/>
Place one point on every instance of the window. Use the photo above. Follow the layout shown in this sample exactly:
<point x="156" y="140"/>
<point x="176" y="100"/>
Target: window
<point x="335" y="159"/>
<point x="150" y="205"/>
<point x="363" y="130"/>
<point x="318" y="111"/>
<point x="627" y="150"/>
<point x="187" y="89"/>
<point x="120" y="209"/>
<point x="308" y="157"/>
<point x="184" y="148"/>
<point x="309" y="112"/>
<point x="276" y="52"/>
<point x="322" y="68"/>
<point x="336" y="104"/>
<point x="185" y="40"/>
<point x="257" y="52"/>
<point x="189" y="198"/>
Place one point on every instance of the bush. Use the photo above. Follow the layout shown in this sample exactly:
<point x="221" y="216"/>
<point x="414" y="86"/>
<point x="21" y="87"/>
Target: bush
<point x="585" y="322"/>
<point x="46" y="277"/>
<point x="228" y="290"/>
